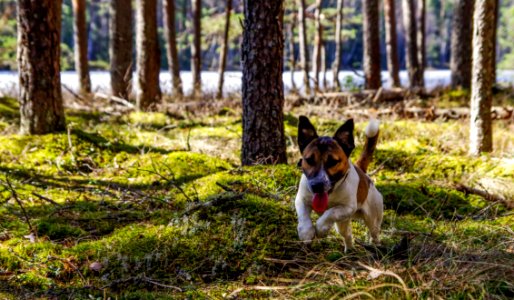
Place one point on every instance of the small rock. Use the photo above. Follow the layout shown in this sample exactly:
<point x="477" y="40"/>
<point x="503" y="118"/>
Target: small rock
<point x="96" y="266"/>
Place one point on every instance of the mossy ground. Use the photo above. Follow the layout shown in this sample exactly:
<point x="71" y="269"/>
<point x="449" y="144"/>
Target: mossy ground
<point x="110" y="202"/>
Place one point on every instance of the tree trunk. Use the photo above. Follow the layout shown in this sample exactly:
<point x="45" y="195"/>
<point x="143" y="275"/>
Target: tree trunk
<point x="409" y="20"/>
<point x="224" y="48"/>
<point x="338" y="41"/>
<point x="482" y="79"/>
<point x="120" y="50"/>
<point x="196" y="48"/>
<point x="80" y="45"/>
<point x="318" y="41"/>
<point x="263" y="95"/>
<point x="304" y="48"/>
<point x="148" y="55"/>
<point x="171" y="41"/>
<point x="391" y="42"/>
<point x="371" y="39"/>
<point x="462" y="36"/>
<point x="292" y="57"/>
<point x="39" y="42"/>
<point x="421" y="17"/>
<point x="495" y="37"/>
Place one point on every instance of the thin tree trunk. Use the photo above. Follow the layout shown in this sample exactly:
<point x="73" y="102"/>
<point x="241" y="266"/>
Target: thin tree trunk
<point x="338" y="41"/>
<point x="318" y="41"/>
<point x="196" y="48"/>
<point x="304" y="48"/>
<point x="482" y="80"/>
<point x="39" y="50"/>
<point x="148" y="56"/>
<point x="371" y="38"/>
<point x="495" y="37"/>
<point x="120" y="50"/>
<point x="172" y="52"/>
<point x="392" y="42"/>
<point x="292" y="57"/>
<point x="413" y="68"/>
<point x="263" y="95"/>
<point x="421" y="17"/>
<point x="224" y="48"/>
<point x="462" y="47"/>
<point x="80" y="45"/>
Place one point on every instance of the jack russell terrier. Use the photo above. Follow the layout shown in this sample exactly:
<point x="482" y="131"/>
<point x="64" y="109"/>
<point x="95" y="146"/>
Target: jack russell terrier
<point x="333" y="187"/>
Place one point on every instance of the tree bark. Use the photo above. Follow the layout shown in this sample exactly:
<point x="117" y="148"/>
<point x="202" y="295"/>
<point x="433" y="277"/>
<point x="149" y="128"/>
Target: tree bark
<point x="495" y="37"/>
<point x="171" y="41"/>
<point x="461" y="49"/>
<point x="391" y="42"/>
<point x="39" y="42"/>
<point x="263" y="95"/>
<point x="80" y="45"/>
<point x="371" y="39"/>
<point x="196" y="47"/>
<point x="304" y="48"/>
<point x="338" y="41"/>
<point x="120" y="49"/>
<point x="224" y="48"/>
<point x="148" y="55"/>
<point x="421" y="17"/>
<point x="318" y="41"/>
<point x="413" y="68"/>
<point x="482" y="79"/>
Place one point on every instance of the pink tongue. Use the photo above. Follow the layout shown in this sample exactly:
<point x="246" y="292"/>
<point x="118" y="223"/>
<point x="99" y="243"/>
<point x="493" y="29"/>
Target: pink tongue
<point x="320" y="202"/>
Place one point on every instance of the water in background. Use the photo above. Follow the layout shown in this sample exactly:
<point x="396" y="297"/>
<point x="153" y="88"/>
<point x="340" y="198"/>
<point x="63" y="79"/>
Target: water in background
<point x="101" y="80"/>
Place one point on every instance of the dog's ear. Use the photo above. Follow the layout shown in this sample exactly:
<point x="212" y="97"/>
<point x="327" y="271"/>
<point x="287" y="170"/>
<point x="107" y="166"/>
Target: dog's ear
<point x="344" y="137"/>
<point x="306" y="133"/>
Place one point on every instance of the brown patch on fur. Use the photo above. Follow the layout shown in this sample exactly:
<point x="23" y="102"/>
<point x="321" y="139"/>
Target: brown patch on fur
<point x="363" y="188"/>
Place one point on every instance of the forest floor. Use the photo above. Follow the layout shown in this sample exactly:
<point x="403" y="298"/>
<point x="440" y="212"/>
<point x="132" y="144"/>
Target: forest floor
<point x="155" y="206"/>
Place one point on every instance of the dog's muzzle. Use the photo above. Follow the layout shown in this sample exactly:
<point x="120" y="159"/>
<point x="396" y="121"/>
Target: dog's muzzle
<point x="320" y="183"/>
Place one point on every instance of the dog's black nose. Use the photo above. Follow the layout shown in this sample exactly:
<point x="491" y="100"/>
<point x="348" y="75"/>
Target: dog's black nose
<point x="318" y="187"/>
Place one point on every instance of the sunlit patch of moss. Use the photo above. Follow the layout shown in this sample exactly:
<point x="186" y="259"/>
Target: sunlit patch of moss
<point x="154" y="119"/>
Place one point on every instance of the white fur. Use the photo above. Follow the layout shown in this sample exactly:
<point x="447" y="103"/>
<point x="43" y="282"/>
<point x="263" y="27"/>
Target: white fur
<point x="343" y="207"/>
<point x="372" y="128"/>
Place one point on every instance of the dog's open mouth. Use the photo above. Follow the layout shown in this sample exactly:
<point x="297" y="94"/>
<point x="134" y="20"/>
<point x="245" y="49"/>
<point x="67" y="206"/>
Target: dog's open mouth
<point x="320" y="202"/>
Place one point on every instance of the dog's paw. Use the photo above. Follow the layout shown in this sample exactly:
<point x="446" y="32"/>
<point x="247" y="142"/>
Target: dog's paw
<point x="322" y="229"/>
<point x="306" y="232"/>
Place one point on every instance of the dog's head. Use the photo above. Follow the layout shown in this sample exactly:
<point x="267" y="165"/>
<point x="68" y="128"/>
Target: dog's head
<point x="325" y="160"/>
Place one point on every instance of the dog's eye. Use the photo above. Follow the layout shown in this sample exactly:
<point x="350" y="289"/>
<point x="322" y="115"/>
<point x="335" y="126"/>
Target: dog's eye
<point x="310" y="160"/>
<point x="331" y="162"/>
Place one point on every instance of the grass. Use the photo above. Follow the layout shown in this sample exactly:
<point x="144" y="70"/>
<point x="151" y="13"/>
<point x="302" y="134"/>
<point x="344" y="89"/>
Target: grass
<point x="115" y="203"/>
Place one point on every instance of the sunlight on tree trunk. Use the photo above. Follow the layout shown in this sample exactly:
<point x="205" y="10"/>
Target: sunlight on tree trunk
<point x="318" y="41"/>
<point x="39" y="50"/>
<point x="411" y="53"/>
<point x="391" y="42"/>
<point x="80" y="45"/>
<point x="339" y="44"/>
<point x="482" y="81"/>
<point x="148" y="56"/>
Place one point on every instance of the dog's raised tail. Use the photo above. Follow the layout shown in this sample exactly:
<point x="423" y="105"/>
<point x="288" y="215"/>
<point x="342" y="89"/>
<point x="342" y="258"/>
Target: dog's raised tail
<point x="370" y="144"/>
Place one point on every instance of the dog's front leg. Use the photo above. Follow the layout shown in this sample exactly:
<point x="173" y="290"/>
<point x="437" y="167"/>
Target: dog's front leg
<point x="306" y="231"/>
<point x="332" y="215"/>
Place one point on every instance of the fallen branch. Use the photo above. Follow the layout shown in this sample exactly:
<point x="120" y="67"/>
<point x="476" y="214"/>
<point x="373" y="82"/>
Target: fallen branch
<point x="222" y="199"/>
<point x="115" y="99"/>
<point x="484" y="194"/>
<point x="45" y="199"/>
<point x="15" y="196"/>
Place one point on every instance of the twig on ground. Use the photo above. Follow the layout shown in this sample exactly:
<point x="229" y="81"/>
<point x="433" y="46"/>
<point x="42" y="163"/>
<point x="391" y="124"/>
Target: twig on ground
<point x="45" y="199"/>
<point x="221" y="199"/>
<point x="15" y="196"/>
<point x="484" y="194"/>
<point x="115" y="99"/>
<point x="380" y="167"/>
<point x="77" y="96"/>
